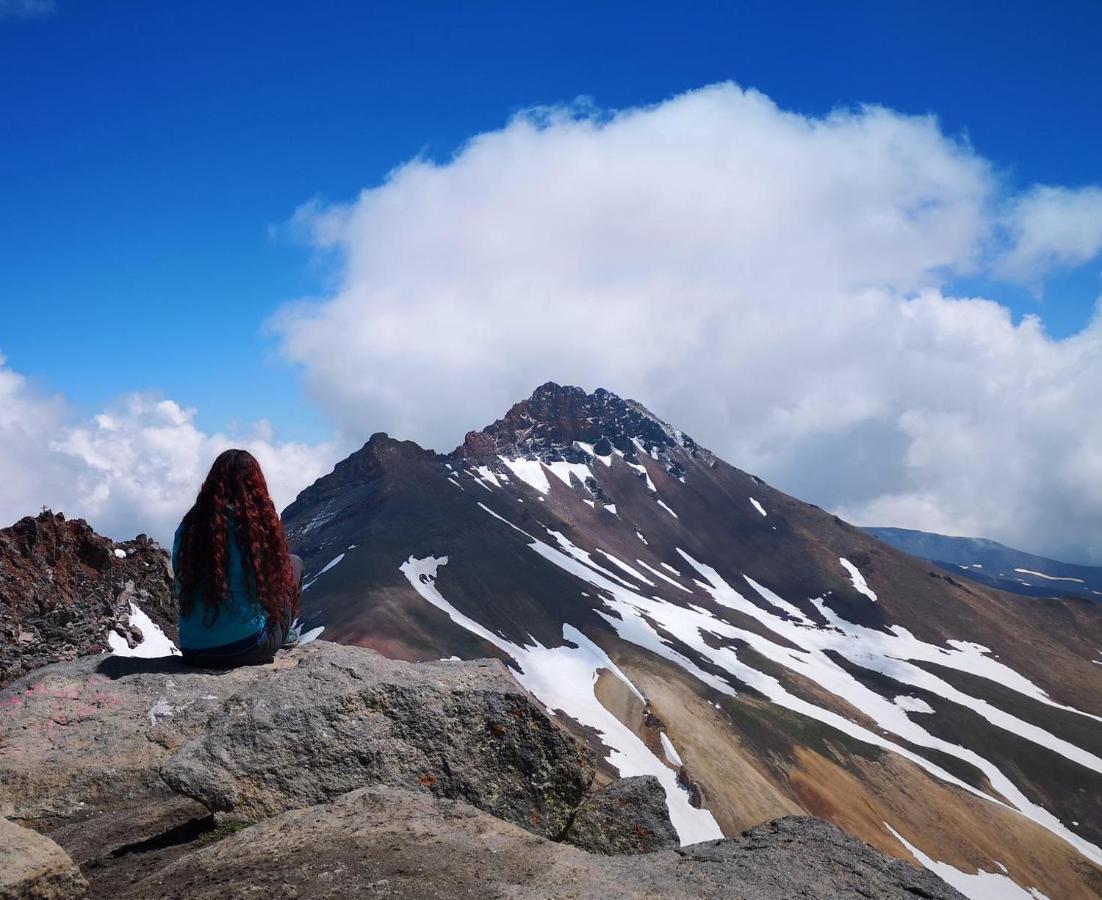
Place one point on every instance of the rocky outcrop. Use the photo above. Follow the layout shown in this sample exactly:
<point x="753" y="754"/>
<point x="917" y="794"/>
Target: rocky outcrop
<point x="336" y="772"/>
<point x="627" y="816"/>
<point x="63" y="588"/>
<point x="86" y="736"/>
<point x="99" y="732"/>
<point x="343" y="718"/>
<point x="35" y="868"/>
<point x="389" y="842"/>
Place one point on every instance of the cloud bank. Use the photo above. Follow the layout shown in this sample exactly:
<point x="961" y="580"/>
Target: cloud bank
<point x="773" y="283"/>
<point x="135" y="467"/>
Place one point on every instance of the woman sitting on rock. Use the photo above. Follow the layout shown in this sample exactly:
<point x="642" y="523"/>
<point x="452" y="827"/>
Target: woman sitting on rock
<point x="236" y="582"/>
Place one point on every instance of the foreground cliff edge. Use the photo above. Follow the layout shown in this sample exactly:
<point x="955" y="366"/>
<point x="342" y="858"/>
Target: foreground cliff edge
<point x="337" y="772"/>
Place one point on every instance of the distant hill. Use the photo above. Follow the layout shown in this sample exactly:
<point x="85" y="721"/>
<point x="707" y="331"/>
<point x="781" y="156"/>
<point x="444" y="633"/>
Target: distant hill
<point x="997" y="565"/>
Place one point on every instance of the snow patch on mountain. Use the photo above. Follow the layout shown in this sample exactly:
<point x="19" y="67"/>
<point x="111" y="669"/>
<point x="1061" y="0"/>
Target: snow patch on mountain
<point x="635" y="573"/>
<point x="333" y="563"/>
<point x="530" y="471"/>
<point x="980" y="885"/>
<point x="312" y="635"/>
<point x="582" y="556"/>
<point x="667" y="509"/>
<point x="651" y="623"/>
<point x="669" y="749"/>
<point x="563" y="679"/>
<point x="1049" y="577"/>
<point x="563" y="470"/>
<point x="779" y="602"/>
<point x="154" y="643"/>
<point x="859" y="583"/>
<point x="758" y="506"/>
<point x="487" y="476"/>
<point x="664" y="577"/>
<point x="912" y="704"/>
<point x="589" y="449"/>
<point x="644" y="476"/>
<point x="317" y="521"/>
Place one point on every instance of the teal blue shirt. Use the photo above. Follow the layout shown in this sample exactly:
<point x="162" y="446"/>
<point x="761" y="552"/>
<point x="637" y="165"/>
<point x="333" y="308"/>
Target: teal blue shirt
<point x="239" y="615"/>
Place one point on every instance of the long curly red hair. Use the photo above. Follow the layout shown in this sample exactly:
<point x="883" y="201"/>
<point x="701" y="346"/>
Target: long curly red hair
<point x="235" y="488"/>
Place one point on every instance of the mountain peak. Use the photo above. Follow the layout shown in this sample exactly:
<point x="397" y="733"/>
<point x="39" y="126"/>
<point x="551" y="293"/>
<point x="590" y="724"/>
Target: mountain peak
<point x="560" y="422"/>
<point x="380" y="450"/>
<point x="552" y="389"/>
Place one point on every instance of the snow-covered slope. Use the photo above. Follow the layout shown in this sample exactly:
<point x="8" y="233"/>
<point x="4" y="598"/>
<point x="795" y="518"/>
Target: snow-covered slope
<point x="757" y="654"/>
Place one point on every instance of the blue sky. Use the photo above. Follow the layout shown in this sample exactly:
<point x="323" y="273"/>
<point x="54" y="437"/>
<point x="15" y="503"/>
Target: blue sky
<point x="752" y="224"/>
<point x="149" y="147"/>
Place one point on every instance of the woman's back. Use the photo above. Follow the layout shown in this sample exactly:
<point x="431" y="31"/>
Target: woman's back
<point x="235" y="579"/>
<point x="238" y="616"/>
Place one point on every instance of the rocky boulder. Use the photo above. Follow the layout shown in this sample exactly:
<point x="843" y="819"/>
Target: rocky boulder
<point x="63" y="588"/>
<point x="35" y="868"/>
<point x="388" y="842"/>
<point x="100" y="733"/>
<point x="346" y="717"/>
<point x="627" y="816"/>
<point x="88" y="735"/>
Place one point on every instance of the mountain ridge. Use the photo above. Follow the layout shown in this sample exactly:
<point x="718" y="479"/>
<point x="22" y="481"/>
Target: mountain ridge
<point x="603" y="554"/>
<point x="997" y="565"/>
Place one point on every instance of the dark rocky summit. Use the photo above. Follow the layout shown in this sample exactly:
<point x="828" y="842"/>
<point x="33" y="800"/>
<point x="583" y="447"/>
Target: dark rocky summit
<point x="63" y="588"/>
<point x="336" y="772"/>
<point x="547" y="425"/>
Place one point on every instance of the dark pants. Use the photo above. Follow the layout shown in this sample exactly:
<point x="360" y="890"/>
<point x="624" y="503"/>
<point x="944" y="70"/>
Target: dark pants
<point x="252" y="651"/>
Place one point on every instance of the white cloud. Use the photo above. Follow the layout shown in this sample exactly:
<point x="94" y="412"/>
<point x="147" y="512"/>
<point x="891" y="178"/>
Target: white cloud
<point x="135" y="467"/>
<point x="772" y="283"/>
<point x="1052" y="226"/>
<point x="28" y="477"/>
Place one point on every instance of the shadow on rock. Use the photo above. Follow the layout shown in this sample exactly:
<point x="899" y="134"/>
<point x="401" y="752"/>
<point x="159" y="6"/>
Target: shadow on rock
<point x="121" y="666"/>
